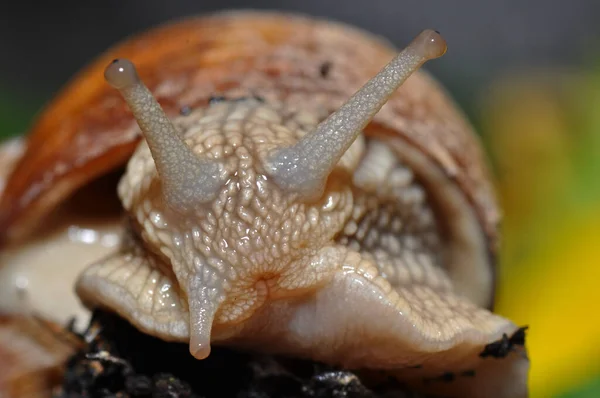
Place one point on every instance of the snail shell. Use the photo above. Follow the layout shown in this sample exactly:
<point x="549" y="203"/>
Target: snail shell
<point x="381" y="257"/>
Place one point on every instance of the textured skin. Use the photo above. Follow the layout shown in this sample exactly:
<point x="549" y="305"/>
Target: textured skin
<point x="254" y="241"/>
<point x="355" y="277"/>
<point x="87" y="130"/>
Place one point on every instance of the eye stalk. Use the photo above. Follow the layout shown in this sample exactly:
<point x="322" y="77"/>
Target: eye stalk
<point x="304" y="167"/>
<point x="186" y="179"/>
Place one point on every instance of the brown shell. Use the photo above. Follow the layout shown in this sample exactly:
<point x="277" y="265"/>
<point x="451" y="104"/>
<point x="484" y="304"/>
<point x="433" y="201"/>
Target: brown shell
<point x="302" y="62"/>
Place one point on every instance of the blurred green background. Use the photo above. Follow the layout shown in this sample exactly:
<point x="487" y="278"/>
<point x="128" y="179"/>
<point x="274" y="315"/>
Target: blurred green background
<point x="526" y="73"/>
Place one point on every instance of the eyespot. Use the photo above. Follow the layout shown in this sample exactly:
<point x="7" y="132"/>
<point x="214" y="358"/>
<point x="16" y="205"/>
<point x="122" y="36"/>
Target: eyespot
<point x="430" y="44"/>
<point x="121" y="73"/>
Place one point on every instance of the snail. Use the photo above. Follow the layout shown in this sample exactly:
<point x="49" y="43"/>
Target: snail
<point x="299" y="189"/>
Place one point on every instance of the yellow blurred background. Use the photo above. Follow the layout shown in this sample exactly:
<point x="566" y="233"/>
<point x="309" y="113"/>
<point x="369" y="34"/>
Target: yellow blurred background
<point x="542" y="129"/>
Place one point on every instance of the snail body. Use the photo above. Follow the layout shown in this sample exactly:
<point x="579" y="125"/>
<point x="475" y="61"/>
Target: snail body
<point x="270" y="207"/>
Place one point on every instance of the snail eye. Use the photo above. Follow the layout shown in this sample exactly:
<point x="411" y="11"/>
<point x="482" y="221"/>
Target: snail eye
<point x="121" y="74"/>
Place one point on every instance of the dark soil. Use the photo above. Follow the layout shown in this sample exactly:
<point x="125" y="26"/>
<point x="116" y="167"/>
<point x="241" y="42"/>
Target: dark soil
<point x="119" y="361"/>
